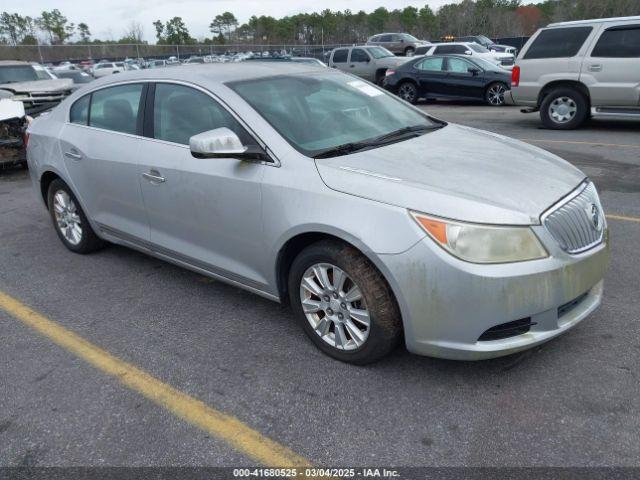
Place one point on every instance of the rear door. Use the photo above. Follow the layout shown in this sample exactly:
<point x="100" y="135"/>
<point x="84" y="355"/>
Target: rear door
<point x="612" y="70"/>
<point x="339" y="59"/>
<point x="100" y="145"/>
<point x="204" y="212"/>
<point x="460" y="82"/>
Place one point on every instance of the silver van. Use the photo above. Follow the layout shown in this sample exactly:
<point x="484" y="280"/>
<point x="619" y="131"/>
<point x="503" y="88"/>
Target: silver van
<point x="571" y="71"/>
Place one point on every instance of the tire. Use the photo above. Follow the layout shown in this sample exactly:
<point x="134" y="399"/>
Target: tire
<point x="494" y="94"/>
<point x="572" y="101"/>
<point x="408" y="91"/>
<point x="341" y="313"/>
<point x="83" y="241"/>
<point x="409" y="51"/>
<point x="380" y="77"/>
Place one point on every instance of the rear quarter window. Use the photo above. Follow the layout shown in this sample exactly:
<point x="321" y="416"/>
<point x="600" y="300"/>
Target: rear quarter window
<point x="79" y="112"/>
<point x="558" y="43"/>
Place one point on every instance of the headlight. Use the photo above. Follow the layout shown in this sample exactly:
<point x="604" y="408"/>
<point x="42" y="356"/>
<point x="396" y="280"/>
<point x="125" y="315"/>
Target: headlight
<point x="482" y="243"/>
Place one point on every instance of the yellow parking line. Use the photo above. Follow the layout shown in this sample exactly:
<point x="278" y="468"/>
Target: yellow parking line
<point x="225" y="427"/>
<point x="624" y="218"/>
<point x="572" y="142"/>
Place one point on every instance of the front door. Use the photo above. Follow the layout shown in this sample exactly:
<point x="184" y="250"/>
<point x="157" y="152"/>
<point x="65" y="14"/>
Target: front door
<point x="461" y="82"/>
<point x="100" y="148"/>
<point x="204" y="212"/>
<point x="360" y="64"/>
<point x="612" y="71"/>
<point x="431" y="77"/>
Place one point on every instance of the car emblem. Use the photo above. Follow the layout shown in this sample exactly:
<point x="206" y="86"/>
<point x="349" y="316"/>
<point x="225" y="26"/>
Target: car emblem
<point x="594" y="211"/>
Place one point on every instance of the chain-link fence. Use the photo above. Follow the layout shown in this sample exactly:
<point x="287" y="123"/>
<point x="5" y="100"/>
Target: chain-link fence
<point x="114" y="52"/>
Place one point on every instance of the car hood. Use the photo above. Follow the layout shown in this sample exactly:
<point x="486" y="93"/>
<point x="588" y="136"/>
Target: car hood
<point x="39" y="86"/>
<point x="459" y="173"/>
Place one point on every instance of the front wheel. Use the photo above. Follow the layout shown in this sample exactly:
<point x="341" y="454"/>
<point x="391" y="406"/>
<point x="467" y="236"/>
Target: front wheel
<point x="408" y="91"/>
<point x="564" y="109"/>
<point x="69" y="220"/>
<point x="494" y="95"/>
<point x="344" y="304"/>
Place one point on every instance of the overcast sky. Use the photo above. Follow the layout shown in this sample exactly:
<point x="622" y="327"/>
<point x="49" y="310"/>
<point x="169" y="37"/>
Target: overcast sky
<point x="107" y="19"/>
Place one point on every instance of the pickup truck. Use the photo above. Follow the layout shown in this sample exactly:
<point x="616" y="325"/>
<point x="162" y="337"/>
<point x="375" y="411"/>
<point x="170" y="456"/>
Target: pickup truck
<point x="368" y="62"/>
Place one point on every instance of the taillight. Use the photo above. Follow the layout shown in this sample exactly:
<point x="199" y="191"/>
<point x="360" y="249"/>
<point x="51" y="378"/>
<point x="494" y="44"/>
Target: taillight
<point x="390" y="72"/>
<point x="515" y="76"/>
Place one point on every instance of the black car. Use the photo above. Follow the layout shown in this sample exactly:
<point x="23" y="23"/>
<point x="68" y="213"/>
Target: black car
<point x="449" y="77"/>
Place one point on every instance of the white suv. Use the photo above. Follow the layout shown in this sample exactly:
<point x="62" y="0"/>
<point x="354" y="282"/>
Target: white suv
<point x="572" y="70"/>
<point x="505" y="60"/>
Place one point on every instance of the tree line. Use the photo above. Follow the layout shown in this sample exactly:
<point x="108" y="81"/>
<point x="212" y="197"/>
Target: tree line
<point x="494" y="18"/>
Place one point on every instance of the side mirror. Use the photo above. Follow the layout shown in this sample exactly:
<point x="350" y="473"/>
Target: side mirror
<point x="474" y="71"/>
<point x="468" y="52"/>
<point x="224" y="143"/>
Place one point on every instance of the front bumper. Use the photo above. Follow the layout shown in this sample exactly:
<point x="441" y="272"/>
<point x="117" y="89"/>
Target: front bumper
<point x="448" y="304"/>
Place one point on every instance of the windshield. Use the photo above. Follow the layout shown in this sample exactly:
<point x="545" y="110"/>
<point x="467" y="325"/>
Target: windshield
<point x="409" y="38"/>
<point x="18" y="73"/>
<point x="478" y="48"/>
<point x="484" y="40"/>
<point x="321" y="111"/>
<point x="380" y="52"/>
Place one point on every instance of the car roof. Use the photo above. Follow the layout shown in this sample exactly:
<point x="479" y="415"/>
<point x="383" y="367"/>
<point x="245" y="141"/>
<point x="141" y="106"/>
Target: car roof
<point x="213" y="73"/>
<point x="598" y="20"/>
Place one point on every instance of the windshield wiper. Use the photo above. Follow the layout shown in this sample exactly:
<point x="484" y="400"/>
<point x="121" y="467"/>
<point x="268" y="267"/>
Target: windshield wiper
<point x="342" y="149"/>
<point x="405" y="130"/>
<point x="385" y="139"/>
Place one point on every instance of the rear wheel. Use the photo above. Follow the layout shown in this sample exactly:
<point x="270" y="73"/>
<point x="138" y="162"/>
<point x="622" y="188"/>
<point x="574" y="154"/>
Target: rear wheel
<point x="69" y="220"/>
<point x="564" y="109"/>
<point x="494" y="95"/>
<point x="344" y="304"/>
<point x="408" y="91"/>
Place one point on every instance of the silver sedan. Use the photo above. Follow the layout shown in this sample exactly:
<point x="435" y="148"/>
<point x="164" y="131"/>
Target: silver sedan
<point x="377" y="222"/>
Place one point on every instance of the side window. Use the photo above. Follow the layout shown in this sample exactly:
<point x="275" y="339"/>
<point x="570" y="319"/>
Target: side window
<point x="340" y="55"/>
<point x="457" y="65"/>
<point x="619" y="42"/>
<point x="431" y="64"/>
<point x="385" y="38"/>
<point x="444" y="49"/>
<point x="116" y="108"/>
<point x="459" y="49"/>
<point x="180" y="112"/>
<point x="359" y="55"/>
<point x="79" y="112"/>
<point x="375" y="39"/>
<point x="558" y="42"/>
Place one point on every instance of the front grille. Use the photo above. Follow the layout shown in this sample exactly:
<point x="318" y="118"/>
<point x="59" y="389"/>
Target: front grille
<point x="507" y="330"/>
<point x="507" y="61"/>
<point x="577" y="222"/>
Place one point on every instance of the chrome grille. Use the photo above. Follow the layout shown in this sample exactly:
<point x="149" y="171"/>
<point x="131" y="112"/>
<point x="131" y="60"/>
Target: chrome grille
<point x="577" y="222"/>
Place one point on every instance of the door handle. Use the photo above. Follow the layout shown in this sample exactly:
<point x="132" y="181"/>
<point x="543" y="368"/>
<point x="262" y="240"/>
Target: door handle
<point x="595" y="68"/>
<point x="154" y="177"/>
<point x="73" y="154"/>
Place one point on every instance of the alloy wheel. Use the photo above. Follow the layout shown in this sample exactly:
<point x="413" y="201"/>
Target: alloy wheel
<point x="334" y="307"/>
<point x="495" y="95"/>
<point x="563" y="109"/>
<point x="67" y="217"/>
<point x="407" y="92"/>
